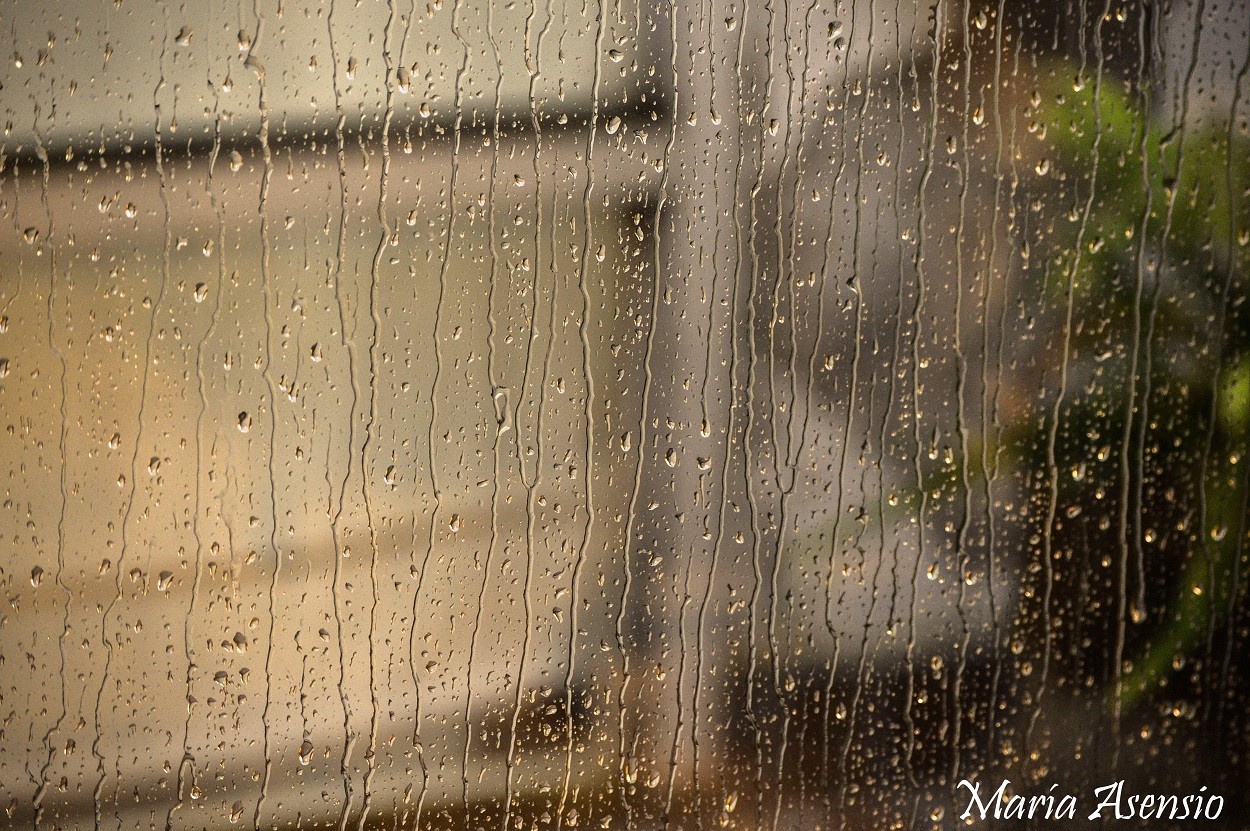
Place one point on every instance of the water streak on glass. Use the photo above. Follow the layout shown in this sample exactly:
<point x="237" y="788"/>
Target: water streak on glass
<point x="479" y="414"/>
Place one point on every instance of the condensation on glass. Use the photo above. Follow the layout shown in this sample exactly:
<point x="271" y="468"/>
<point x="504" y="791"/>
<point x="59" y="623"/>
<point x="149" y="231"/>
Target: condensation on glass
<point x="487" y="414"/>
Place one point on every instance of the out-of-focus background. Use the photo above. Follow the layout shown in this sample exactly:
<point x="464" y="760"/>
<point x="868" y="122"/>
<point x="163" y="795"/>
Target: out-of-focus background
<point x="486" y="414"/>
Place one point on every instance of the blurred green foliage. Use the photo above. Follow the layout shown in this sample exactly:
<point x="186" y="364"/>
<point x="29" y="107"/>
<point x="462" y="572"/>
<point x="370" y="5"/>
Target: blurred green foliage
<point x="1155" y="248"/>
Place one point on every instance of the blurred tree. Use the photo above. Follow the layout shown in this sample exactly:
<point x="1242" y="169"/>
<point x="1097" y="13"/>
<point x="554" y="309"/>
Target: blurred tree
<point x="1144" y="277"/>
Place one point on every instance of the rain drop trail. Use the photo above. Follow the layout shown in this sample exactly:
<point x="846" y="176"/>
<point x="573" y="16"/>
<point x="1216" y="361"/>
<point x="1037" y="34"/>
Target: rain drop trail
<point x="961" y="418"/>
<point x="675" y="750"/>
<point x="729" y="327"/>
<point x="624" y="755"/>
<point x="769" y="368"/>
<point x="1147" y="342"/>
<point x="1183" y="129"/>
<point x="827" y="695"/>
<point x="1127" y="500"/>
<point x="841" y="506"/>
<point x="587" y="416"/>
<point x="199" y="462"/>
<point x="857" y="304"/>
<point x="917" y="310"/>
<point x="740" y="254"/>
<point x="525" y="645"/>
<point x="782" y="455"/>
<point x="262" y="211"/>
<point x="989" y="403"/>
<point x="531" y="62"/>
<point x="787" y="459"/>
<point x="496" y="425"/>
<point x="376" y="322"/>
<point x="794" y="245"/>
<point x="43" y="778"/>
<point x="158" y="155"/>
<point x="1052" y="467"/>
<point x="348" y="346"/>
<point x="1235" y="590"/>
<point x="475" y="626"/>
<point x="752" y="487"/>
<point x="897" y="347"/>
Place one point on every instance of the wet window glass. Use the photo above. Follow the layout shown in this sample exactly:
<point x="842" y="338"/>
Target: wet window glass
<point x="503" y="414"/>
